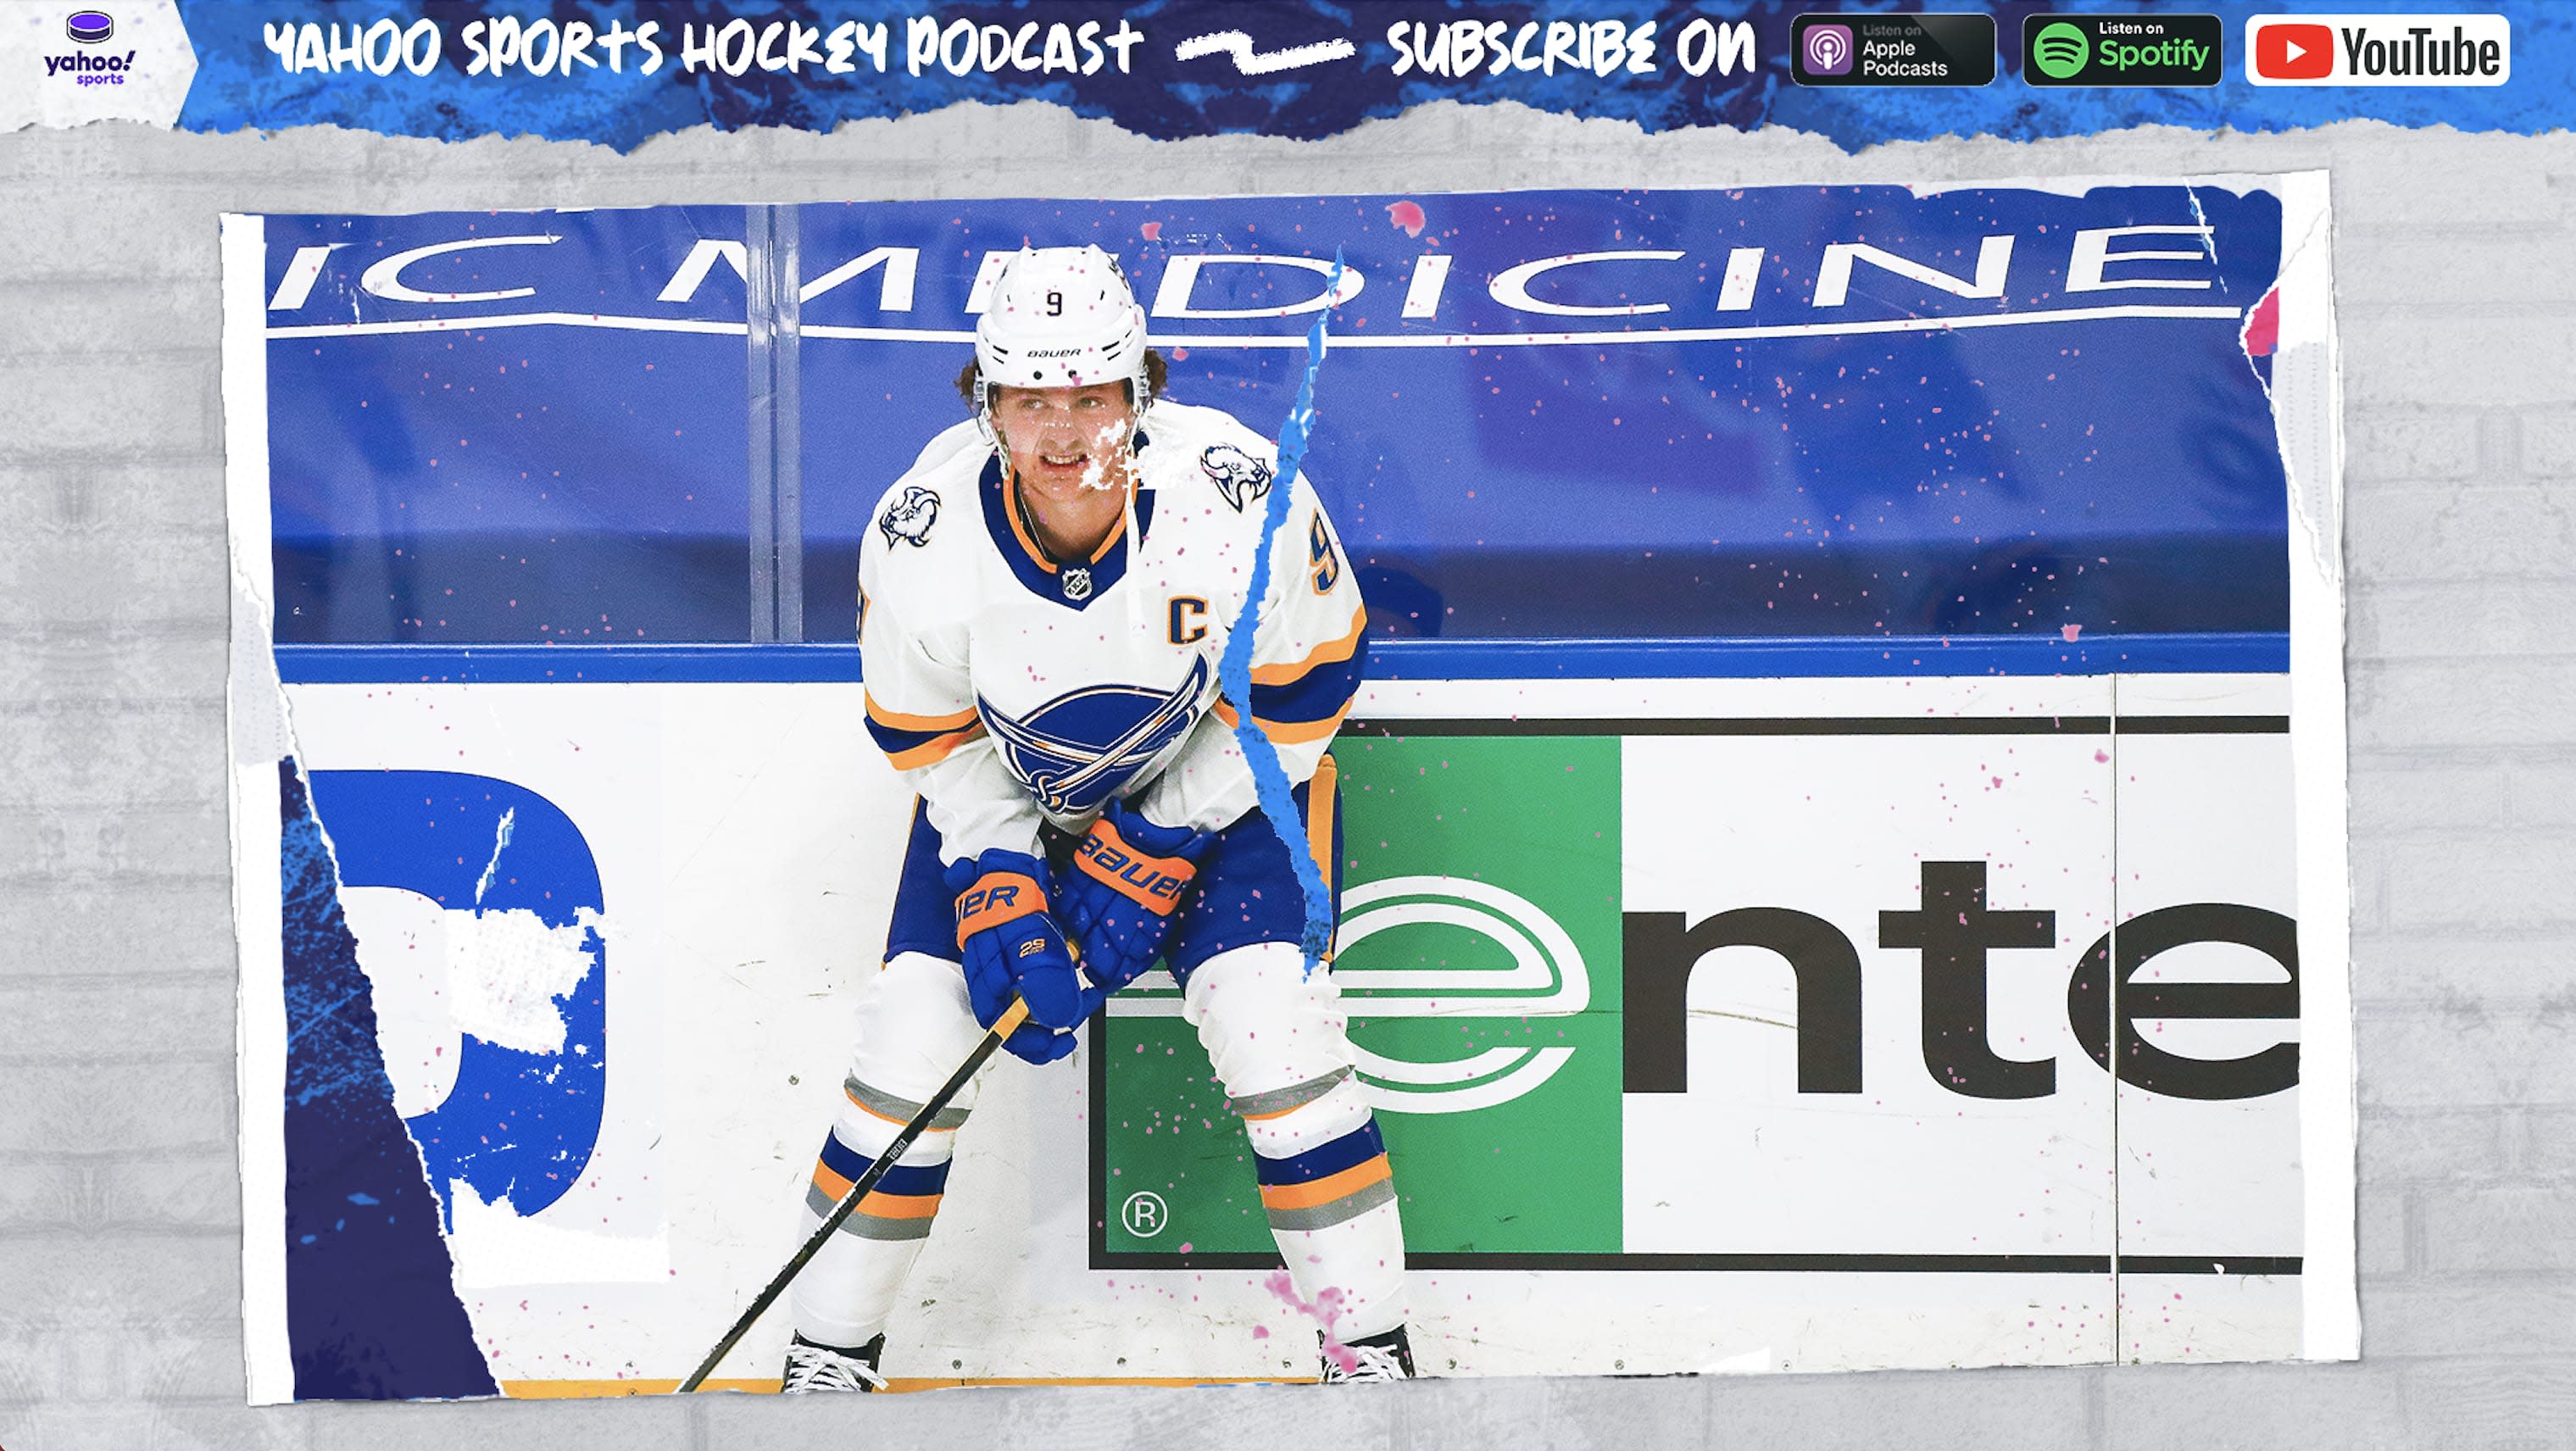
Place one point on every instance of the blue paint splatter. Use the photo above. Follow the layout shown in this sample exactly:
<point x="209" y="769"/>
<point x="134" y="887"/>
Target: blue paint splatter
<point x="1234" y="672"/>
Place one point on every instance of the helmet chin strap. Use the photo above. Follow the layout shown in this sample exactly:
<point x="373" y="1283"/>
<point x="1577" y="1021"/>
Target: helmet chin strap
<point x="1140" y="396"/>
<point x="1142" y="391"/>
<point x="1135" y="546"/>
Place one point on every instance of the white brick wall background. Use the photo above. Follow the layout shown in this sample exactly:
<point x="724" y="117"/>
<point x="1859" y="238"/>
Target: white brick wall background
<point x="119" y="1219"/>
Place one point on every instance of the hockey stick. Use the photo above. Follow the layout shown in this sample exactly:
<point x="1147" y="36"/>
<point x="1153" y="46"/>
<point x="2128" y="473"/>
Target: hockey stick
<point x="1012" y="1017"/>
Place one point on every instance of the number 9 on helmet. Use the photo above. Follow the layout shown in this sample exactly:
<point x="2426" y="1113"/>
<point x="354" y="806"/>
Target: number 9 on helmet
<point x="1060" y="317"/>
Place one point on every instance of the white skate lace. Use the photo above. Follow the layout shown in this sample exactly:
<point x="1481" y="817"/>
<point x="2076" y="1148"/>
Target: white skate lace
<point x="1368" y="1363"/>
<point x="814" y="1368"/>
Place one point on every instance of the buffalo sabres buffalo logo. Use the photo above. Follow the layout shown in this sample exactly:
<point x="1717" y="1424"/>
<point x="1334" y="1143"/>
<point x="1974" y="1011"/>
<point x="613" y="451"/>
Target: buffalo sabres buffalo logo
<point x="1238" y="475"/>
<point x="910" y="517"/>
<point x="1076" y="749"/>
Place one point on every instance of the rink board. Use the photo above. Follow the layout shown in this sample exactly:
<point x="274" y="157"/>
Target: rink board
<point x="1567" y="1208"/>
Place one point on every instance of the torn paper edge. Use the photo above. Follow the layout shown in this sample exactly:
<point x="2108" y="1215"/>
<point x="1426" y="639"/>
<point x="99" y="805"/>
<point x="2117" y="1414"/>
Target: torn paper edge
<point x="259" y="736"/>
<point x="2307" y="412"/>
<point x="2074" y="184"/>
<point x="254" y="710"/>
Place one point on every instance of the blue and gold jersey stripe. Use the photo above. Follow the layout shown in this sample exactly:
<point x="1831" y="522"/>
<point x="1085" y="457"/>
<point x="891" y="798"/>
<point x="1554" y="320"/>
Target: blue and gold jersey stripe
<point x="910" y="741"/>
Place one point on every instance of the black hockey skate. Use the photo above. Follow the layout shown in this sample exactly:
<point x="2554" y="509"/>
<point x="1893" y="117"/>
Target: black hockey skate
<point x="812" y="1367"/>
<point x="1370" y="1358"/>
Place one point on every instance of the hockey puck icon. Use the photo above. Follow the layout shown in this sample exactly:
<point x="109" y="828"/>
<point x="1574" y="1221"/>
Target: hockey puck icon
<point x="90" y="27"/>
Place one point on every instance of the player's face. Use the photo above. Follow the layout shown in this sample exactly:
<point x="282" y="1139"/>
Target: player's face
<point x="1064" y="440"/>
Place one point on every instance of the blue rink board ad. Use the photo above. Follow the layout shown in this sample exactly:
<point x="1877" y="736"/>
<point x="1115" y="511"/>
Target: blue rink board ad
<point x="1748" y="574"/>
<point x="1835" y="413"/>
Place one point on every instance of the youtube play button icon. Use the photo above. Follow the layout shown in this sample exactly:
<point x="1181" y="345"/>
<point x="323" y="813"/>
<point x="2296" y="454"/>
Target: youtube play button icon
<point x="2294" y="51"/>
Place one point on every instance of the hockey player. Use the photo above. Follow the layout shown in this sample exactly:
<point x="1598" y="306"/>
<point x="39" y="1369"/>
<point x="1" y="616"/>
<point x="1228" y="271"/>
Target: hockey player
<point x="1042" y="607"/>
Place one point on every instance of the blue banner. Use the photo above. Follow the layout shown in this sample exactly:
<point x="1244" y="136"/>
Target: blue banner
<point x="621" y="73"/>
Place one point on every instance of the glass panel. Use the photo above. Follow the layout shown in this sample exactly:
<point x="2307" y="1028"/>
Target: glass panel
<point x="1786" y="454"/>
<point x="445" y="469"/>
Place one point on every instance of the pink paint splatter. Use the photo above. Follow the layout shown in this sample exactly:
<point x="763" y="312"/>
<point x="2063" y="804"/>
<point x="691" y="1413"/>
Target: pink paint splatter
<point x="1153" y="231"/>
<point x="2070" y="632"/>
<point x="2263" y="326"/>
<point x="1407" y="215"/>
<point x="1324" y="1310"/>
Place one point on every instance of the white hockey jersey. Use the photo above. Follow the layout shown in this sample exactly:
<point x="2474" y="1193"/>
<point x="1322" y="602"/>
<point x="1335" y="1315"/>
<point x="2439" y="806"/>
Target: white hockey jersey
<point x="1012" y="690"/>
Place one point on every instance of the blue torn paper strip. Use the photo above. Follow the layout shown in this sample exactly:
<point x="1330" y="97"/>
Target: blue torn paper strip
<point x="1295" y="68"/>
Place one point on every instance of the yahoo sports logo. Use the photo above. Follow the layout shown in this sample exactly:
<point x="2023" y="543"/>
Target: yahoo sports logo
<point x="1828" y="50"/>
<point x="90" y="27"/>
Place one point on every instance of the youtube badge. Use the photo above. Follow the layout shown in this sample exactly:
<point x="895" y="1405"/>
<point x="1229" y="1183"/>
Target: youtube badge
<point x="2379" y="49"/>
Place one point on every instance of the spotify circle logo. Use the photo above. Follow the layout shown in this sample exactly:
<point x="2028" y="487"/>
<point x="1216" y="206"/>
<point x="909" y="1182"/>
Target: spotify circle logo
<point x="2060" y="50"/>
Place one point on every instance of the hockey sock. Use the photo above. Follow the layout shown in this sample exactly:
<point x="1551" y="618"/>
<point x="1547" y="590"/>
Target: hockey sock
<point x="1276" y="1037"/>
<point x="847" y="1294"/>
<point x="1333" y="1213"/>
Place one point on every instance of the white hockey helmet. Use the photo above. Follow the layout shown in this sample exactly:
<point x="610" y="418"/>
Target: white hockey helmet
<point x="1060" y="317"/>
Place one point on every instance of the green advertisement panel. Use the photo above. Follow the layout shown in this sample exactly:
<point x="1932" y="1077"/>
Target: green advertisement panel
<point x="1478" y="960"/>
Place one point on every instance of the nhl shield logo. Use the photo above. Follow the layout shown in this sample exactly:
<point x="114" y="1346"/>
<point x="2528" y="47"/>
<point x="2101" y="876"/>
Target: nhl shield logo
<point x="1077" y="584"/>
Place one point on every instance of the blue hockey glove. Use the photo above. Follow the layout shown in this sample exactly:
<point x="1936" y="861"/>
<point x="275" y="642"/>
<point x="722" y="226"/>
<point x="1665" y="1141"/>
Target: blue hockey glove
<point x="1011" y="948"/>
<point x="1129" y="878"/>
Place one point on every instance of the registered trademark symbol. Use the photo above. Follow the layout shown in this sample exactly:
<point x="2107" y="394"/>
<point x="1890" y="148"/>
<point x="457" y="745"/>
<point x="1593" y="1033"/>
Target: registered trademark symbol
<point x="1145" y="1214"/>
